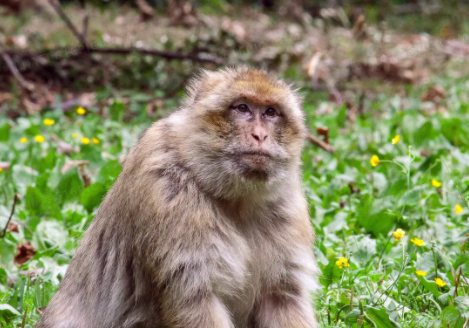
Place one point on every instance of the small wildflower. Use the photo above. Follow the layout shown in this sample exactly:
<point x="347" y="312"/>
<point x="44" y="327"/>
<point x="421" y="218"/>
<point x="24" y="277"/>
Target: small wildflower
<point x="342" y="262"/>
<point x="418" y="242"/>
<point x="81" y="111"/>
<point x="48" y="121"/>
<point x="74" y="135"/>
<point x="1" y="169"/>
<point x="436" y="183"/>
<point x="458" y="209"/>
<point x="39" y="139"/>
<point x="23" y="140"/>
<point x="396" y="139"/>
<point x="399" y="233"/>
<point x="374" y="160"/>
<point x="95" y="141"/>
<point x="85" y="141"/>
<point x="421" y="273"/>
<point x="439" y="282"/>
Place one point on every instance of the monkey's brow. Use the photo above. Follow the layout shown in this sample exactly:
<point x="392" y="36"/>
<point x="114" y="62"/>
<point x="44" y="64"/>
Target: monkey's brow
<point x="263" y="100"/>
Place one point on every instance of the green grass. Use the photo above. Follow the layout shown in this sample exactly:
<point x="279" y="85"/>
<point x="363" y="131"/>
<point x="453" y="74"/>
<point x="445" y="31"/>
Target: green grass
<point x="354" y="206"/>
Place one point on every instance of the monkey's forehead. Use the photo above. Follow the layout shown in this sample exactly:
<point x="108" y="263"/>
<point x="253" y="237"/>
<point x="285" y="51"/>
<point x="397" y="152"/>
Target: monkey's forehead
<point x="258" y="92"/>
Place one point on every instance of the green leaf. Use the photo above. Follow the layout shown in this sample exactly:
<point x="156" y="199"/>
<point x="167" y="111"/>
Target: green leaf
<point x="116" y="111"/>
<point x="352" y="317"/>
<point x="373" y="215"/>
<point x="451" y="317"/>
<point x="109" y="172"/>
<point x="7" y="252"/>
<point x="8" y="313"/>
<point x="70" y="186"/>
<point x="430" y="286"/>
<point x="43" y="292"/>
<point x="462" y="305"/>
<point x="380" y="317"/>
<point x="92" y="196"/>
<point x="5" y="132"/>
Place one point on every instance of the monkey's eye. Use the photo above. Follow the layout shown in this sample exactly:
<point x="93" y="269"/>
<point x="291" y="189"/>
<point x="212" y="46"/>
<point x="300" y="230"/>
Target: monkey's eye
<point x="271" y="112"/>
<point x="243" y="108"/>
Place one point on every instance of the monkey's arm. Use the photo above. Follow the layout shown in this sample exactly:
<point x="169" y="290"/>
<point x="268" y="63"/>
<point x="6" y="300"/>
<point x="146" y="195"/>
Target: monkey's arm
<point x="287" y="306"/>
<point x="187" y="297"/>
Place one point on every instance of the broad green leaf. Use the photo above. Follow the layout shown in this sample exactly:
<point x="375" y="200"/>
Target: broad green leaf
<point x="8" y="313"/>
<point x="379" y="317"/>
<point x="373" y="215"/>
<point x="70" y="186"/>
<point x="116" y="111"/>
<point x="92" y="196"/>
<point x="430" y="286"/>
<point x="5" y="132"/>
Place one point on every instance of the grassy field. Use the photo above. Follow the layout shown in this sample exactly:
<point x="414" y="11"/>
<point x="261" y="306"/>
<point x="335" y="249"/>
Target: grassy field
<point x="391" y="233"/>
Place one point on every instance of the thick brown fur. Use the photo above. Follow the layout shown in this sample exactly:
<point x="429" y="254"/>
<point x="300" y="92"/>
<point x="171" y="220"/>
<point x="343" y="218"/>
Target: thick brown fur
<point x="187" y="237"/>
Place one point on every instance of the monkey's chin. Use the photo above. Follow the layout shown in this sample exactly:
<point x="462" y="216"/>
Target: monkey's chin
<point x="255" y="166"/>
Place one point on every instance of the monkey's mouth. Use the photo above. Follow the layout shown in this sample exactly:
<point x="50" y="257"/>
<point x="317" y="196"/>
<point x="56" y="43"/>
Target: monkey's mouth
<point x="255" y="154"/>
<point x="255" y="162"/>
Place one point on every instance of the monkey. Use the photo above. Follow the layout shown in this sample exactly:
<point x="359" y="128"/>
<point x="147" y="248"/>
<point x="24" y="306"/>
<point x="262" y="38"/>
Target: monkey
<point x="207" y="225"/>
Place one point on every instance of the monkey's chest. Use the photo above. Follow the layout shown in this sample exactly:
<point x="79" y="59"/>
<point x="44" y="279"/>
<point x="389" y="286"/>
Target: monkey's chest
<point x="252" y="264"/>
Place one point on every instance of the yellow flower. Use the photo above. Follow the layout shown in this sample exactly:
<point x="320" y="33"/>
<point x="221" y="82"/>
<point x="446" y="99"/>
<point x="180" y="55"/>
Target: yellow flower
<point x="342" y="262"/>
<point x="439" y="282"/>
<point x="81" y="111"/>
<point x="48" y="121"/>
<point x="399" y="233"/>
<point x="74" y="135"/>
<point x="458" y="209"/>
<point x="374" y="160"/>
<point x="39" y="139"/>
<point x="421" y="273"/>
<point x="1" y="169"/>
<point x="418" y="242"/>
<point x="396" y="139"/>
<point x="436" y="183"/>
<point x="85" y="141"/>
<point x="95" y="141"/>
<point x="23" y="140"/>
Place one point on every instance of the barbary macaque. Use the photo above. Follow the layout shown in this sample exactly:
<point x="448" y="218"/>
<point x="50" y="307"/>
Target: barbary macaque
<point x="207" y="226"/>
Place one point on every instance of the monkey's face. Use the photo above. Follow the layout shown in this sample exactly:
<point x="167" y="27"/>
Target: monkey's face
<point x="246" y="128"/>
<point x="254" y="136"/>
<point x="255" y="144"/>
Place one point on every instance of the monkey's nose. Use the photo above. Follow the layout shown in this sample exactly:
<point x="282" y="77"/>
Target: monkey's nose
<point x="259" y="136"/>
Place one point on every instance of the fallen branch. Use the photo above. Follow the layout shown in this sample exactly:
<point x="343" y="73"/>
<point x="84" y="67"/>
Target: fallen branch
<point x="73" y="51"/>
<point x="16" y="73"/>
<point x="11" y="215"/>
<point x="321" y="144"/>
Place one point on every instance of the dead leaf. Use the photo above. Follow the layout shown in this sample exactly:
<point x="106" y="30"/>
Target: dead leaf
<point x="13" y="227"/>
<point x="5" y="97"/>
<point x="63" y="147"/>
<point x="146" y="11"/>
<point x="71" y="164"/>
<point x="24" y="253"/>
<point x="434" y="94"/>
<point x="4" y="166"/>
<point x="86" y="178"/>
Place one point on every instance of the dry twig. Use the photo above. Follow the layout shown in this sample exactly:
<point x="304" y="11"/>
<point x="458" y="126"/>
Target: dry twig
<point x="321" y="144"/>
<point x="58" y="8"/>
<point x="16" y="73"/>
<point x="11" y="215"/>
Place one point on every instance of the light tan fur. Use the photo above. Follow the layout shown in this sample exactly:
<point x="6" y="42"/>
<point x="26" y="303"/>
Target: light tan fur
<point x="186" y="238"/>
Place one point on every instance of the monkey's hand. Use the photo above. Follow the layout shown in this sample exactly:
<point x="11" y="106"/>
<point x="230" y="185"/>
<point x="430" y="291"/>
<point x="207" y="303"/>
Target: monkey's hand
<point x="201" y="310"/>
<point x="285" y="311"/>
